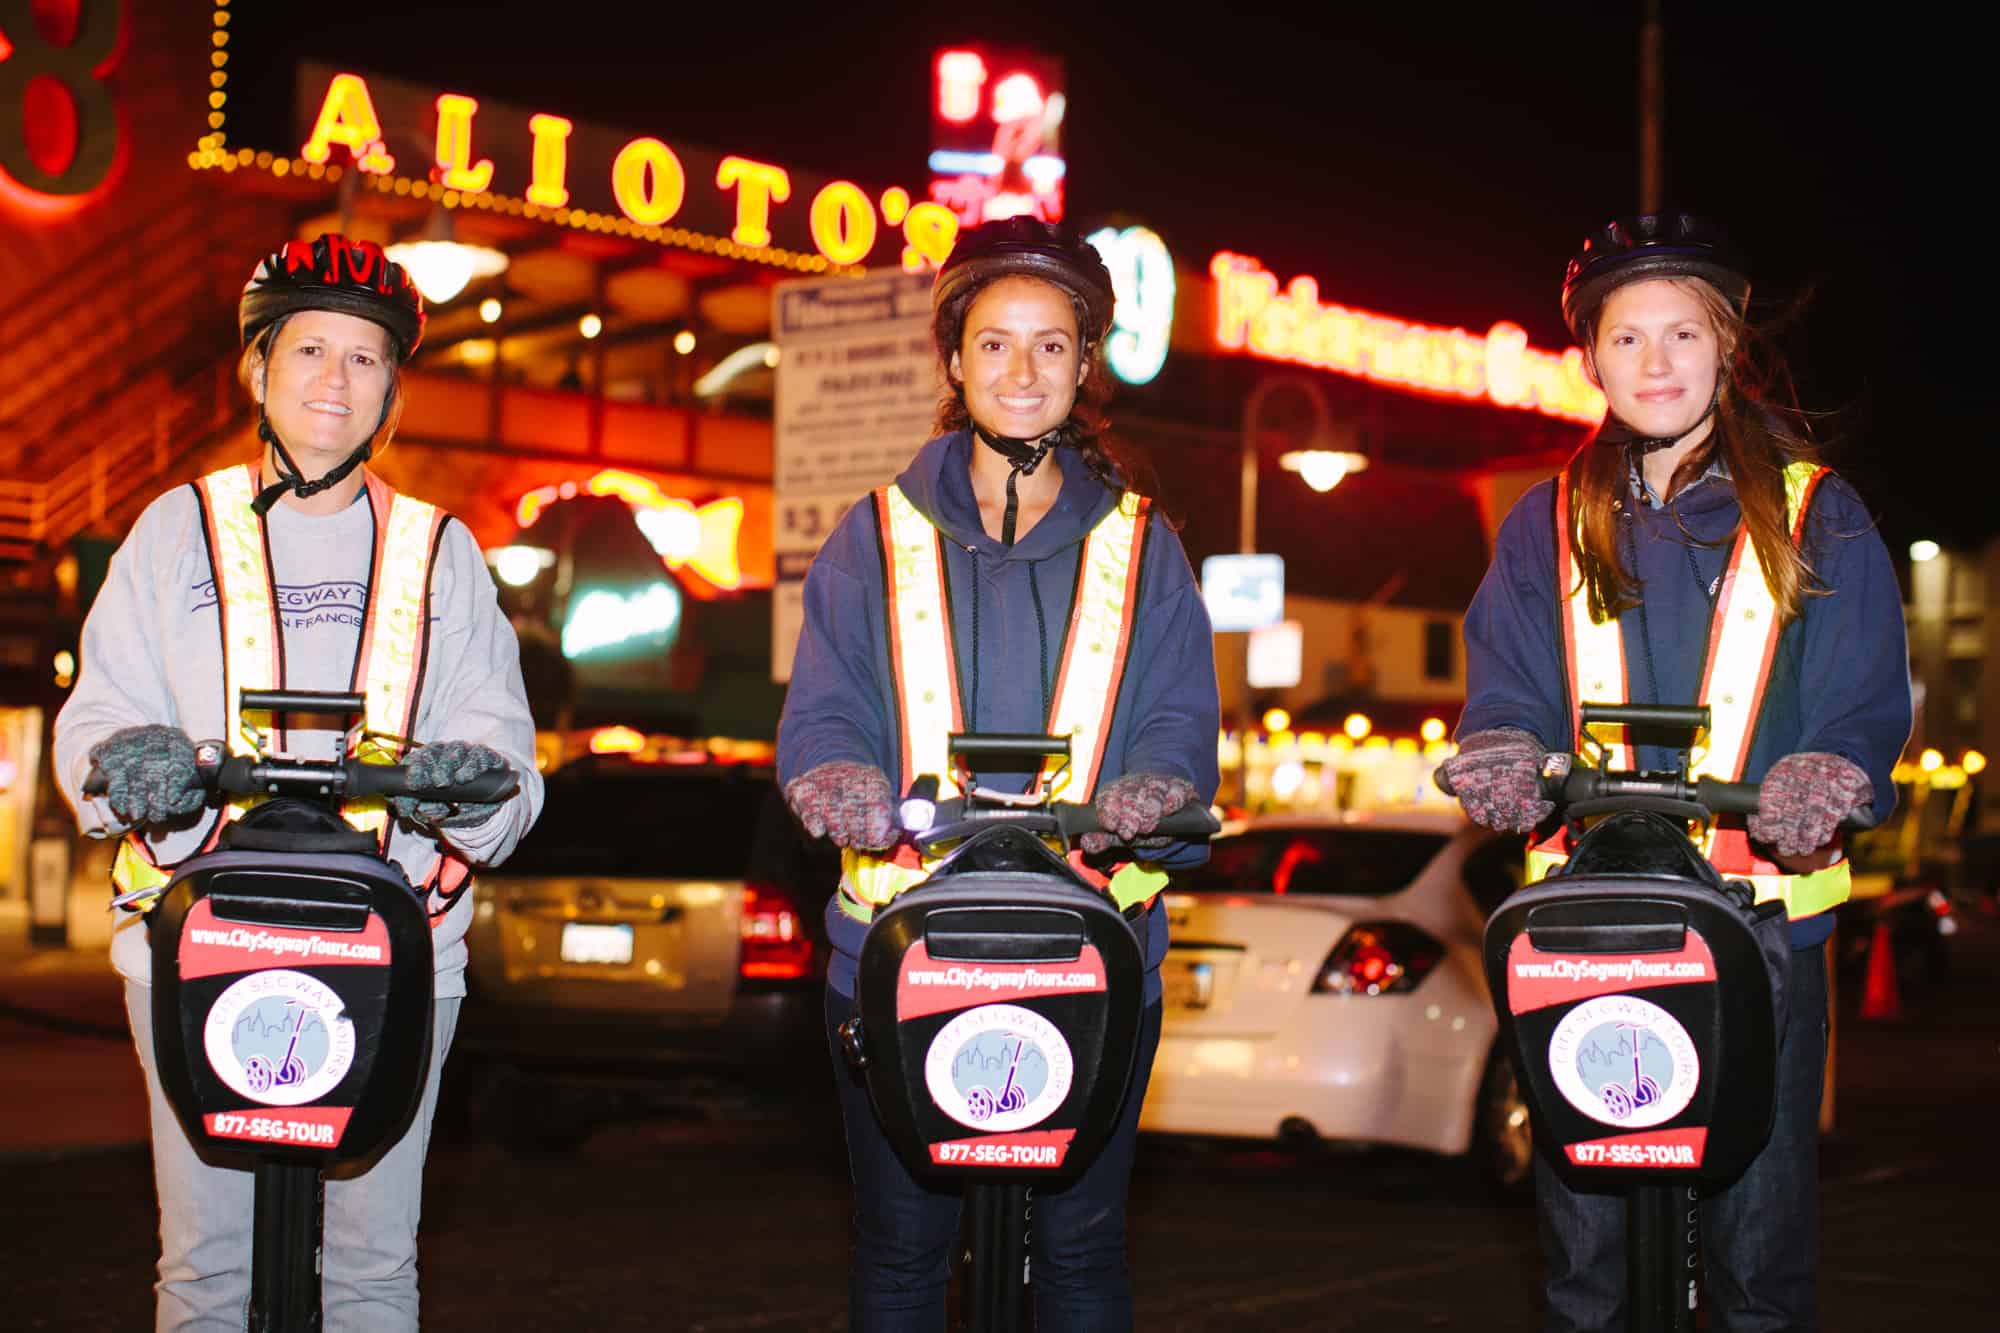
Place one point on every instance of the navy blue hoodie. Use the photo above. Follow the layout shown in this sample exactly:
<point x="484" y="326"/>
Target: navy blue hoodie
<point x="1840" y="683"/>
<point x="839" y="704"/>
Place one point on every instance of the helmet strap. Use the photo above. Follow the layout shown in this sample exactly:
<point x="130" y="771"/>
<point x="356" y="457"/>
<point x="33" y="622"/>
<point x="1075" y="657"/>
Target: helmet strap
<point x="289" y="476"/>
<point x="1023" y="457"/>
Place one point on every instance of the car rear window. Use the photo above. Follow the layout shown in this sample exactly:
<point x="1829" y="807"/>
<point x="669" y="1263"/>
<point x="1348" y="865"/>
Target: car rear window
<point x="1366" y="863"/>
<point x="707" y="823"/>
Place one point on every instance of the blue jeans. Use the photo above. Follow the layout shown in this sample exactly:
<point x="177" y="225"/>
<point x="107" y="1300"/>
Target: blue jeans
<point x="905" y="1230"/>
<point x="1759" y="1234"/>
<point x="369" y="1283"/>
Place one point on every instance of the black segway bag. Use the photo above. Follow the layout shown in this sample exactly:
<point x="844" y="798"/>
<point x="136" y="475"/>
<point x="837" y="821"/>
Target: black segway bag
<point x="999" y="1005"/>
<point x="292" y="990"/>
<point x="1642" y="999"/>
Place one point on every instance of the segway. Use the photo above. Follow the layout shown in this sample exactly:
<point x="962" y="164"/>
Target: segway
<point x="997" y="1008"/>
<point x="1642" y="998"/>
<point x="292" y="992"/>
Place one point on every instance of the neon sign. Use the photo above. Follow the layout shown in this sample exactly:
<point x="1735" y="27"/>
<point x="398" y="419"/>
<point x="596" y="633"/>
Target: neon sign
<point x="1251" y="316"/>
<point x="601" y="619"/>
<point x="996" y="134"/>
<point x="61" y="143"/>
<point x="1142" y="320"/>
<point x="701" y="538"/>
<point x="464" y="152"/>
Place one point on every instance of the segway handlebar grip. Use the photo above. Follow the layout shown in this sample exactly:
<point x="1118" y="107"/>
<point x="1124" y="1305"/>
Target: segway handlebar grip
<point x="393" y="780"/>
<point x="302" y="701"/>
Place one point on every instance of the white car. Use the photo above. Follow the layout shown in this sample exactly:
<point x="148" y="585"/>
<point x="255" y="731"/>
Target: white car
<point x="1324" y="982"/>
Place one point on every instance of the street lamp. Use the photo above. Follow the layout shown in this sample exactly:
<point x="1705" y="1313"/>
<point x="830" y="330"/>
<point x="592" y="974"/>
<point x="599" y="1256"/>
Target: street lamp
<point x="1322" y="463"/>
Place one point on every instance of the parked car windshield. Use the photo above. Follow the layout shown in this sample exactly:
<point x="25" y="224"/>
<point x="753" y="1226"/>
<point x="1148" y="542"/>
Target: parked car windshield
<point x="715" y="822"/>
<point x="1358" y="862"/>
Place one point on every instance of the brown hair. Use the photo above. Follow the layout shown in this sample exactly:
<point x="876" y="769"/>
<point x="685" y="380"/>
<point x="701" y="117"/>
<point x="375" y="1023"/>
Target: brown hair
<point x="1759" y="430"/>
<point x="1118" y="465"/>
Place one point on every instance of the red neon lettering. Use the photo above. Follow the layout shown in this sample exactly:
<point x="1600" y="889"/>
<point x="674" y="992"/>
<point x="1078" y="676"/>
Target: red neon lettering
<point x="959" y="76"/>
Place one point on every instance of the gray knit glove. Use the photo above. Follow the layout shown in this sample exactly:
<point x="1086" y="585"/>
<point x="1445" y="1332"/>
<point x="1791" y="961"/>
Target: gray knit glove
<point x="446" y="764"/>
<point x="148" y="773"/>
<point x="1133" y="806"/>
<point x="1804" y="797"/>
<point x="1497" y="776"/>
<point x="847" y="802"/>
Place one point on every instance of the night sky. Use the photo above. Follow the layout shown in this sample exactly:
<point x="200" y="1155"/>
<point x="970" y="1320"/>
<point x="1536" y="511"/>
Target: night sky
<point x="1434" y="161"/>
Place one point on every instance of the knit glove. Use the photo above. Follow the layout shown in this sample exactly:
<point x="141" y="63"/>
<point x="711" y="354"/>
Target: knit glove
<point x="1497" y="776"/>
<point x="1803" y="799"/>
<point x="446" y="764"/>
<point x="1133" y="806"/>
<point x="148" y="773"/>
<point x="847" y="802"/>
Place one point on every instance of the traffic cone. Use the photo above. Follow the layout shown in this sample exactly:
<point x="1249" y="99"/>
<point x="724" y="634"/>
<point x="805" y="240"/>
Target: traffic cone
<point x="1881" y="998"/>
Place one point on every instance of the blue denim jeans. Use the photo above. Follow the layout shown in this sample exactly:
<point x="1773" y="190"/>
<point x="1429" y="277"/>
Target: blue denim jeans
<point x="905" y="1230"/>
<point x="369" y="1282"/>
<point x="1759" y="1234"/>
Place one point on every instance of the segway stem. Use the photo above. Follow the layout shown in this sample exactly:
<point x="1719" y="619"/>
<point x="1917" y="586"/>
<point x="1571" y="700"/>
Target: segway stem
<point x="1662" y="1231"/>
<point x="287" y="1249"/>
<point x="997" y="1283"/>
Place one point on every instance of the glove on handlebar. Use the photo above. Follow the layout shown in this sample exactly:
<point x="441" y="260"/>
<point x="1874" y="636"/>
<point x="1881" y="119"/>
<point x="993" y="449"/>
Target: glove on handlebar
<point x="1803" y="799"/>
<point x="849" y="803"/>
<point x="1133" y="806"/>
<point x="1497" y="776"/>
<point x="446" y="764"/>
<point x="150" y="774"/>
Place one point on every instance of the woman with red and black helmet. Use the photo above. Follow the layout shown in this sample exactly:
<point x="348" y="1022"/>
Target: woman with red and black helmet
<point x="359" y="583"/>
<point x="1694" y="551"/>
<point x="1009" y="525"/>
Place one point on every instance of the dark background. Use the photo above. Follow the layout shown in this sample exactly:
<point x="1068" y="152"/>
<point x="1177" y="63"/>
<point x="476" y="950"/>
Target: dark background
<point x="1433" y="161"/>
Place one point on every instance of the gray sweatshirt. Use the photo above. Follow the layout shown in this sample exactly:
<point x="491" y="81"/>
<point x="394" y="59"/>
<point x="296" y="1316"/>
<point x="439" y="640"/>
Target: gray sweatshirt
<point x="151" y="652"/>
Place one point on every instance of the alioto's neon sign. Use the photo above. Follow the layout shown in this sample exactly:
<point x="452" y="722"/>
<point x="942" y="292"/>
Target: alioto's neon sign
<point x="1253" y="317"/>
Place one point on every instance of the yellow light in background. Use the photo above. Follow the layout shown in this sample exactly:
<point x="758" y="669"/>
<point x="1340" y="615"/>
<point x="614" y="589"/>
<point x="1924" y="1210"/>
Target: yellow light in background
<point x="1930" y="761"/>
<point x="1432" y="730"/>
<point x="65" y="665"/>
<point x="1357" y="725"/>
<point x="1920" y="551"/>
<point x="616" y="740"/>
<point x="1277" y="719"/>
<point x="684" y="342"/>
<point x="477" y="351"/>
<point x="1974" y="762"/>
<point x="489" y="310"/>
<point x="590" y="326"/>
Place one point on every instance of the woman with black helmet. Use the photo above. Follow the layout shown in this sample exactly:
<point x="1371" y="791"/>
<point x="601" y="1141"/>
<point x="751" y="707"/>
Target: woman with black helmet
<point x="1063" y="604"/>
<point x="1693" y="551"/>
<point x="302" y="570"/>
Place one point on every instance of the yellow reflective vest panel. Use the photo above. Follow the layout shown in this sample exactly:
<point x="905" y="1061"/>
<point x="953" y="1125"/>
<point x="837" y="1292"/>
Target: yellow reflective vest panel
<point x="924" y="671"/>
<point x="389" y="660"/>
<point x="1742" y="642"/>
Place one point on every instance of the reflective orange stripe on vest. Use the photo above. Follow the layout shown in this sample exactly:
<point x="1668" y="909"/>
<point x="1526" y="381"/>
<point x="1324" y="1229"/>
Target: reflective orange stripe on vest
<point x="1742" y="642"/>
<point x="389" y="660"/>
<point x="922" y="658"/>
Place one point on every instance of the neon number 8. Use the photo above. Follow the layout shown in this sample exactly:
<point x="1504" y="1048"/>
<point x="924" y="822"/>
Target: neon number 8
<point x="37" y="74"/>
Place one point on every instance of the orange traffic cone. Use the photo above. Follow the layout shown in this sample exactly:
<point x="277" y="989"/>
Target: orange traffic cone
<point x="1881" y="998"/>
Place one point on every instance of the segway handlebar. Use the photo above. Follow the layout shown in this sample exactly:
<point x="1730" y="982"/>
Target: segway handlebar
<point x="246" y="775"/>
<point x="1582" y="790"/>
<point x="956" y="818"/>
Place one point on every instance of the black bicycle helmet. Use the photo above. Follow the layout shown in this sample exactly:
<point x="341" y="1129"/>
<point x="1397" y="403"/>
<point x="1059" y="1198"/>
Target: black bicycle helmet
<point x="333" y="273"/>
<point x="1029" y="247"/>
<point x="1653" y="245"/>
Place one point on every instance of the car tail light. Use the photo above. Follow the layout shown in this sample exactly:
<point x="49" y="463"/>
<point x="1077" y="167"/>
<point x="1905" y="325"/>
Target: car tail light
<point x="1378" y="958"/>
<point x="776" y="944"/>
<point x="1940" y="906"/>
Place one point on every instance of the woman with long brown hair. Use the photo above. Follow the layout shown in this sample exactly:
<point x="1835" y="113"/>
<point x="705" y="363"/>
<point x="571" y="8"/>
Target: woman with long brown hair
<point x="1698" y="501"/>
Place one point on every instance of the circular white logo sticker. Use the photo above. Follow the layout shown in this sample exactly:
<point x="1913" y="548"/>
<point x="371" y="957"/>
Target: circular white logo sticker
<point x="279" y="1037"/>
<point x="1624" y="1061"/>
<point x="999" y="1068"/>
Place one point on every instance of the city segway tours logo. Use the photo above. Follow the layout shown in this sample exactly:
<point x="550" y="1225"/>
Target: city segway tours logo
<point x="280" y="1037"/>
<point x="1624" y="1061"/>
<point x="999" y="1068"/>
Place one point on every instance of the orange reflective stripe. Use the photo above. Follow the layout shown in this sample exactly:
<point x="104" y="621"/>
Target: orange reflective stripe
<point x="922" y="660"/>
<point x="1098" y="638"/>
<point x="1593" y="650"/>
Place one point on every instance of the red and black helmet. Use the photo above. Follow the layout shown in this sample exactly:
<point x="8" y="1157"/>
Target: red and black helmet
<point x="1023" y="246"/>
<point x="1654" y="245"/>
<point x="333" y="273"/>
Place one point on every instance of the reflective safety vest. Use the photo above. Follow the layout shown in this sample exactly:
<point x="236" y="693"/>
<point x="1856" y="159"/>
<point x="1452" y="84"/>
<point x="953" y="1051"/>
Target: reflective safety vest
<point x="388" y="666"/>
<point x="1742" y="642"/>
<point x="924" y="671"/>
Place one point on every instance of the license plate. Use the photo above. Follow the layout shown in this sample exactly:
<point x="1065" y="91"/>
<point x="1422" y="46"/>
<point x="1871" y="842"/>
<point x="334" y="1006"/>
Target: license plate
<point x="1187" y="985"/>
<point x="585" y="943"/>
